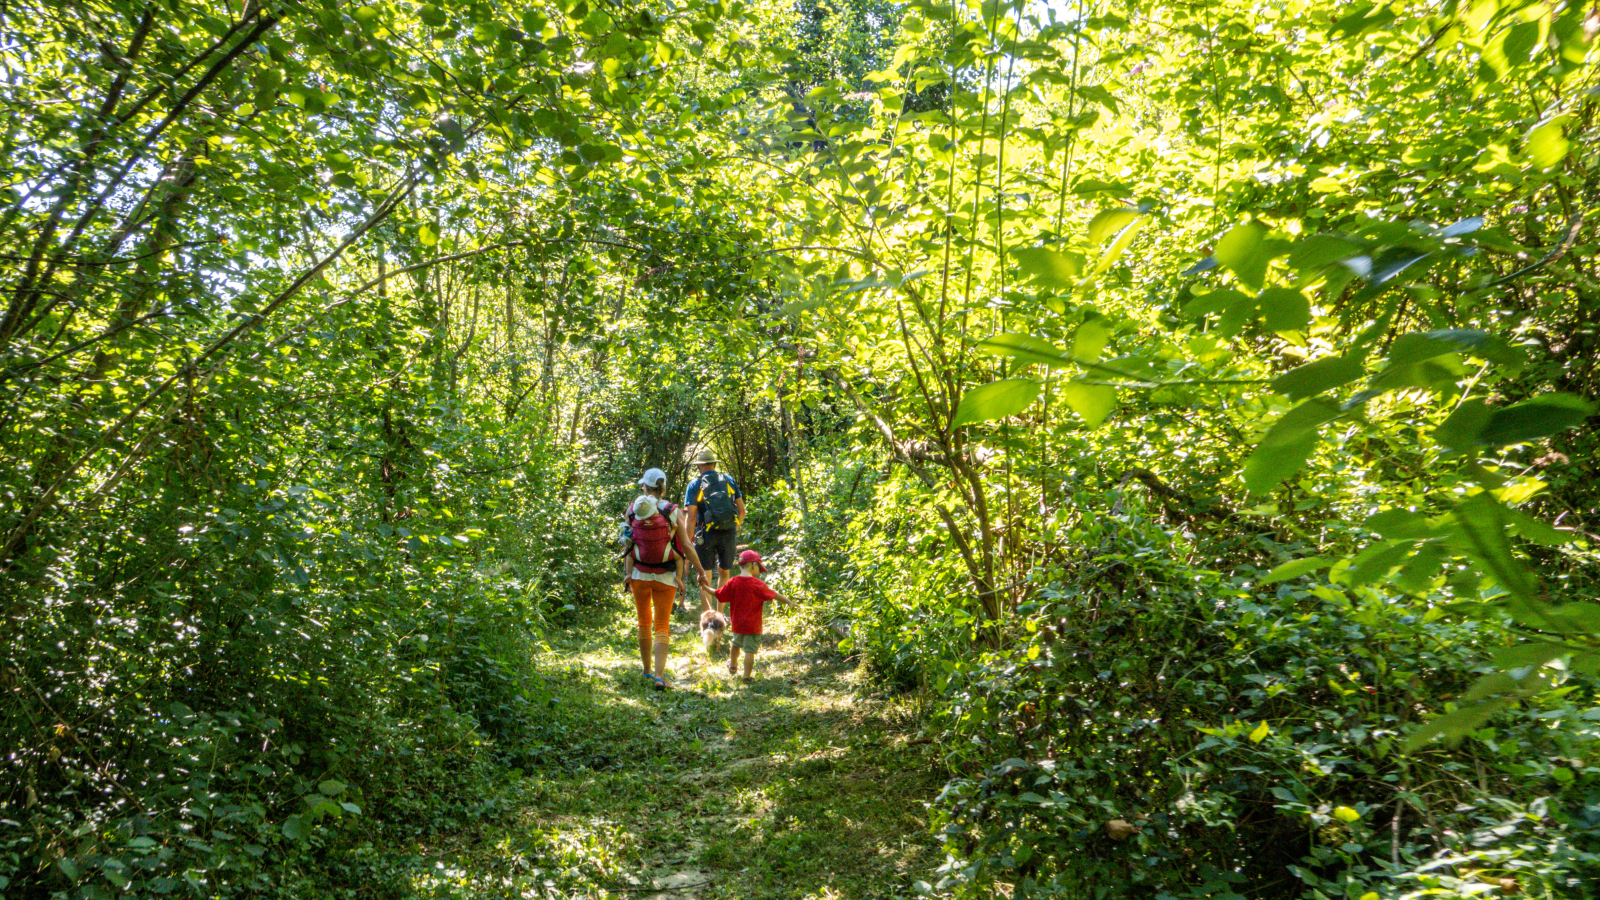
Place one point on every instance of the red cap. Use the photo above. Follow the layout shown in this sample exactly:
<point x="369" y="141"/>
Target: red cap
<point x="750" y="556"/>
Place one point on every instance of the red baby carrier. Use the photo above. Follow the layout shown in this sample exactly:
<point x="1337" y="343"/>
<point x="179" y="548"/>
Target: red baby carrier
<point x="655" y="544"/>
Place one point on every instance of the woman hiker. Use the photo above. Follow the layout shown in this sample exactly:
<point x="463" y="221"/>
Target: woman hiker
<point x="654" y="567"/>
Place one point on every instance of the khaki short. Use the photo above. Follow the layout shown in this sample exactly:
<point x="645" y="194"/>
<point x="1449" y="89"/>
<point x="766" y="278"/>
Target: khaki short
<point x="749" y="643"/>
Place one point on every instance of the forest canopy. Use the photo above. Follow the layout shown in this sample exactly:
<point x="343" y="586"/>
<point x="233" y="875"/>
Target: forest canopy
<point x="1188" y="409"/>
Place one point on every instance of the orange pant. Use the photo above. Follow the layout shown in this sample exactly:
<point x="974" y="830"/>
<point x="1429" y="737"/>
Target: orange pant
<point x="653" y="600"/>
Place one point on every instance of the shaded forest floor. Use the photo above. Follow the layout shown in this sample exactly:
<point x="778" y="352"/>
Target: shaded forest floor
<point x="794" y="786"/>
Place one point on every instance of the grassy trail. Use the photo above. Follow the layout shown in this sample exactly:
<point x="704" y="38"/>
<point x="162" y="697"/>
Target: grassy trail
<point x="791" y="787"/>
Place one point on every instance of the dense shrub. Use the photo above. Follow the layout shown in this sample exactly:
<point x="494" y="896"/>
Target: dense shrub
<point x="1195" y="736"/>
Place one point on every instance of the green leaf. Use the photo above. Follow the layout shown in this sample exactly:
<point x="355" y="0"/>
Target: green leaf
<point x="1089" y="341"/>
<point x="1110" y="221"/>
<point x="1243" y="251"/>
<point x="1375" y="563"/>
<point x="1260" y="733"/>
<point x="1419" y="571"/>
<point x="1090" y="186"/>
<point x="996" y="400"/>
<point x="1287" y="445"/>
<point x="1464" y="426"/>
<point x="1536" y="530"/>
<point x="1534" y="419"/>
<point x="1025" y="348"/>
<point x="1575" y="618"/>
<point x="427" y="235"/>
<point x="1547" y="147"/>
<point x="1483" y="522"/>
<point x="1455" y="725"/>
<point x="1519" y="39"/>
<point x="1535" y="653"/>
<point x="1119" y="246"/>
<point x="1418" y="346"/>
<point x="1294" y="568"/>
<point x="1320" y="375"/>
<point x="1396" y="524"/>
<point x="1091" y="401"/>
<point x="1321" y="250"/>
<point x="1441" y="374"/>
<point x="1215" y="302"/>
<point x="331" y="787"/>
<point x="294" y="828"/>
<point x="1048" y="267"/>
<point x="1285" y="309"/>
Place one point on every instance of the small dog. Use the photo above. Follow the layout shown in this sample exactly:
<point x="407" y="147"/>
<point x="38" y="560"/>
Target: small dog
<point x="713" y="625"/>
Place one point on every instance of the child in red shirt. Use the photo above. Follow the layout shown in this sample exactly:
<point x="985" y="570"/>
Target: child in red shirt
<point x="745" y="594"/>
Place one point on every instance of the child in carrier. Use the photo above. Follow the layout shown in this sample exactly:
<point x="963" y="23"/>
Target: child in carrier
<point x="656" y="550"/>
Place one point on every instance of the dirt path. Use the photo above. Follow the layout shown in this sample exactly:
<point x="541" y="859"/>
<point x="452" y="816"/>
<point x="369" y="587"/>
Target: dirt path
<point x="791" y="787"/>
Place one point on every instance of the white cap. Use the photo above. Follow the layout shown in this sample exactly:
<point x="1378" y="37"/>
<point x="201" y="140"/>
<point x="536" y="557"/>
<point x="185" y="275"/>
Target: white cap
<point x="653" y="478"/>
<point x="644" y="506"/>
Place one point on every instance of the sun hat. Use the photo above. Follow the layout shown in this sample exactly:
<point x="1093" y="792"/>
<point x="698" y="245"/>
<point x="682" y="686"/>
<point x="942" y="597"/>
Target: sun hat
<point x="750" y="556"/>
<point x="654" y="478"/>
<point x="707" y="456"/>
<point x="644" y="507"/>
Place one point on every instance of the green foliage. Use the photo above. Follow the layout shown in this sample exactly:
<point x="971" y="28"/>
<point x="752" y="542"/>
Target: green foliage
<point x="1256" y="753"/>
<point x="1193" y="401"/>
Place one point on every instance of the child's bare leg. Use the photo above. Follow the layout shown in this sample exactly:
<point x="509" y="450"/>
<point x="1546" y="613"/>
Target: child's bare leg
<point x="749" y="663"/>
<point x="733" y="659"/>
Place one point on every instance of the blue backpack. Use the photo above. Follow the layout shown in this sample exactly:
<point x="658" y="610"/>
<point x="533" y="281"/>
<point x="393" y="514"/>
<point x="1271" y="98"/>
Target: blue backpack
<point x="716" y="502"/>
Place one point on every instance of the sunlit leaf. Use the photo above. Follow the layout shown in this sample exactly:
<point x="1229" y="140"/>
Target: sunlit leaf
<point x="996" y="400"/>
<point x="1546" y="144"/>
<point x="1109" y="222"/>
<point x="1048" y="267"/>
<point x="1089" y="341"/>
<point x="1093" y="402"/>
<point x="1243" y="251"/>
<point x="1320" y="375"/>
<point x="1120" y="245"/>
<point x="1025" y="348"/>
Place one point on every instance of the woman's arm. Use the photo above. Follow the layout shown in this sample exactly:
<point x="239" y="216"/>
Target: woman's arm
<point x="684" y="534"/>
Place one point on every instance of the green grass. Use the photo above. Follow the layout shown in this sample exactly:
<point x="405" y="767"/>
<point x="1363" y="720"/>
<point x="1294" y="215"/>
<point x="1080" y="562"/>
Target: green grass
<point x="794" y="786"/>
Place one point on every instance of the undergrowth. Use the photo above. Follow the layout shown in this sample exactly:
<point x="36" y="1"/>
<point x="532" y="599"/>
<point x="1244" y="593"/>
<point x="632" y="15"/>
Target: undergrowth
<point x="1156" y="723"/>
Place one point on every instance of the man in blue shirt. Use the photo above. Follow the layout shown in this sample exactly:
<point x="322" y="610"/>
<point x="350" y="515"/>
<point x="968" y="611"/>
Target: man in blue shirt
<point x="716" y="509"/>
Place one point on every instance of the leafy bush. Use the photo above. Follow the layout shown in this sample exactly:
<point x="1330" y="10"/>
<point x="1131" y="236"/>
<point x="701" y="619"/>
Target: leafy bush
<point x="1195" y="736"/>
